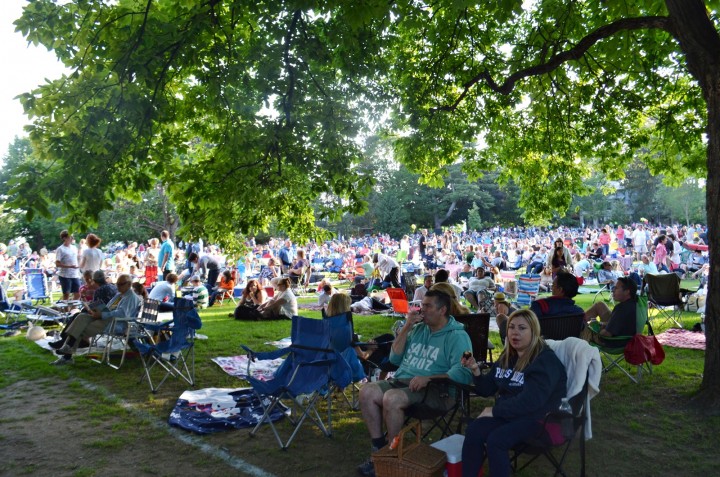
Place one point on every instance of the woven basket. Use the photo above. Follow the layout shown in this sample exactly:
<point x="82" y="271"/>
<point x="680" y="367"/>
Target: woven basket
<point x="409" y="460"/>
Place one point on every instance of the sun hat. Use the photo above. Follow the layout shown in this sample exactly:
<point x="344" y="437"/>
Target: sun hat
<point x="500" y="297"/>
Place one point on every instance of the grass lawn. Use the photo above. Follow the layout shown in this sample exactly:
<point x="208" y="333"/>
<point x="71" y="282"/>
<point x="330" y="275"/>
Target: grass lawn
<point x="646" y="429"/>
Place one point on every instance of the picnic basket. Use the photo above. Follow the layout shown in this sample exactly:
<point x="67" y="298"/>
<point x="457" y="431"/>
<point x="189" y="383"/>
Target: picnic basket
<point x="409" y="460"/>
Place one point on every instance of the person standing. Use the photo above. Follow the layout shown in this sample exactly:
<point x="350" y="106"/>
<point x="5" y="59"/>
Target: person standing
<point x="166" y="256"/>
<point x="91" y="258"/>
<point x="66" y="264"/>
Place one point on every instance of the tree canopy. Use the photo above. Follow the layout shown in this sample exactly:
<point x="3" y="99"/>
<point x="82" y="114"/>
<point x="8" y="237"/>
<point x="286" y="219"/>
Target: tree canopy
<point x="251" y="109"/>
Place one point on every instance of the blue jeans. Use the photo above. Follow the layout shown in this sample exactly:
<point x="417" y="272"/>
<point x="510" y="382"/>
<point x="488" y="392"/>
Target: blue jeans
<point x="212" y="276"/>
<point x="535" y="267"/>
<point x="493" y="438"/>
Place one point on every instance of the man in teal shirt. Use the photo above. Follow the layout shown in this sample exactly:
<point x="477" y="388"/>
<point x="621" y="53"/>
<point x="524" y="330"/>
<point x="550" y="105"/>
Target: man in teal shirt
<point x="166" y="255"/>
<point x="429" y="345"/>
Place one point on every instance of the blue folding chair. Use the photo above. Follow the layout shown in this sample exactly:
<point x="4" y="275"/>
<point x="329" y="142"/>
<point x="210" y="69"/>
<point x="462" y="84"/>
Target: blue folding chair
<point x="36" y="285"/>
<point x="528" y="288"/>
<point x="311" y="371"/>
<point x="175" y="355"/>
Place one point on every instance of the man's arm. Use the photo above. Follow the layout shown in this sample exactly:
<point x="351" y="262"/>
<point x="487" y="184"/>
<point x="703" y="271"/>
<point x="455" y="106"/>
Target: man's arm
<point x="127" y="308"/>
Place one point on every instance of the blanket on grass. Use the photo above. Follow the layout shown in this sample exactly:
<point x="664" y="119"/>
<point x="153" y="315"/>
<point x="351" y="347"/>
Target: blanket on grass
<point x="206" y="411"/>
<point x="682" y="339"/>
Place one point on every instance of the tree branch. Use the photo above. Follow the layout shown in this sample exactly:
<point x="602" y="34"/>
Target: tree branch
<point x="555" y="61"/>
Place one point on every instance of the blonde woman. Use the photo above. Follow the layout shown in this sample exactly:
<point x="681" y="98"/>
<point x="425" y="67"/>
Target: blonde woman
<point x="528" y="381"/>
<point x="283" y="304"/>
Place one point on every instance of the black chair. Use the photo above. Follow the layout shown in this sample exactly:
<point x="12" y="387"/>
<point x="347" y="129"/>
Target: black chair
<point x="560" y="429"/>
<point x="477" y="326"/>
<point x="561" y="326"/>
<point x="665" y="295"/>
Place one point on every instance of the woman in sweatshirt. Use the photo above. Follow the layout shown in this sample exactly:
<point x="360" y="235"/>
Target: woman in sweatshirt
<point x="528" y="381"/>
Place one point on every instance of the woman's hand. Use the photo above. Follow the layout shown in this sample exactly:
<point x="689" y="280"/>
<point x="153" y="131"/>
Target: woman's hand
<point x="471" y="364"/>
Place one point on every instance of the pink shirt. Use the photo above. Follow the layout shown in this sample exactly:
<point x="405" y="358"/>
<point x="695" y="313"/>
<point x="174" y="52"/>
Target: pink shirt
<point x="660" y="254"/>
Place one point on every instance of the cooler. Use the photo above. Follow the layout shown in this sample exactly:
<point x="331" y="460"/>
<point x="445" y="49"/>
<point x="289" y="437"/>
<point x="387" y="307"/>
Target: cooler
<point x="452" y="446"/>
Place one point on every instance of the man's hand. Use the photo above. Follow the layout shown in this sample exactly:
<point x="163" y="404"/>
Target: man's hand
<point x="418" y="382"/>
<point x="96" y="314"/>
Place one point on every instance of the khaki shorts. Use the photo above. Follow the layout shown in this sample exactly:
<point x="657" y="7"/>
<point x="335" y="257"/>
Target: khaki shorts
<point x="436" y="397"/>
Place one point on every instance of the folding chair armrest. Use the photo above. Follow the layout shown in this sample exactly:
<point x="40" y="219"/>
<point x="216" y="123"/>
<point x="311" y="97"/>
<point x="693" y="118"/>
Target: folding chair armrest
<point x="158" y="326"/>
<point x="262" y="355"/>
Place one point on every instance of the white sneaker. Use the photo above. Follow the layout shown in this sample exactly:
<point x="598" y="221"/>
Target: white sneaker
<point x="62" y="361"/>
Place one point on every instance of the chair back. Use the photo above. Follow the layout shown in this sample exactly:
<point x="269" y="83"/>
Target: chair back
<point x="398" y="300"/>
<point x="561" y="326"/>
<point x="641" y="314"/>
<point x="185" y="321"/>
<point x="664" y="289"/>
<point x="340" y="329"/>
<point x="528" y="288"/>
<point x="477" y="326"/>
<point x="36" y="284"/>
<point x="150" y="310"/>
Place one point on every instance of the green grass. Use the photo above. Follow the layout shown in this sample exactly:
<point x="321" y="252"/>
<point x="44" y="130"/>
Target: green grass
<point x="651" y="428"/>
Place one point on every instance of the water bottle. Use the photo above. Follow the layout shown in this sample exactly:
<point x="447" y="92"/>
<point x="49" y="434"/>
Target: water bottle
<point x="566" y="422"/>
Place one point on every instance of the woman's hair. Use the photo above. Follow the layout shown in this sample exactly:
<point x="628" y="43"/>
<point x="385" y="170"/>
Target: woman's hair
<point x="339" y="303"/>
<point x="456" y="308"/>
<point x="153" y="242"/>
<point x="246" y="291"/>
<point x="93" y="240"/>
<point x="227" y="274"/>
<point x="556" y="258"/>
<point x="87" y="275"/>
<point x="537" y="344"/>
<point x="139" y="289"/>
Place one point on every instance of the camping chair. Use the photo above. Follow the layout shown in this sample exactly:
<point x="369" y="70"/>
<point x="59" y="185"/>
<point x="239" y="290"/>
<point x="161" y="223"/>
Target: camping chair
<point x="151" y="274"/>
<point x="36" y="287"/>
<point x="399" y="302"/>
<point x="665" y="295"/>
<point x="582" y="364"/>
<point x="528" y="288"/>
<point x="409" y="283"/>
<point x="227" y="294"/>
<point x="310" y="371"/>
<point x="120" y="331"/>
<point x="613" y="349"/>
<point x="175" y="355"/>
<point x="561" y="326"/>
<point x="605" y="293"/>
<point x="341" y="332"/>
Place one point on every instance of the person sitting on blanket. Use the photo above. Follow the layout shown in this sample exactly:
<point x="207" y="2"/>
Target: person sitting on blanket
<point x="252" y="297"/>
<point x="429" y="345"/>
<point x="327" y="292"/>
<point x="283" y="304"/>
<point x="621" y="321"/>
<point x="86" y="325"/>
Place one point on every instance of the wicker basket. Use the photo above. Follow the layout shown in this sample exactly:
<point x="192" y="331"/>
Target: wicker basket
<point x="409" y="460"/>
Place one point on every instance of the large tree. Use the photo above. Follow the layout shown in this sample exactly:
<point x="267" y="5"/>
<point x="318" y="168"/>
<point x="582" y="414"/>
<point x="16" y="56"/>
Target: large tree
<point x="250" y="109"/>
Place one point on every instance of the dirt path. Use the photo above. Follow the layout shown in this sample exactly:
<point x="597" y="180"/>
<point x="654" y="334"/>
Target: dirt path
<point x="50" y="428"/>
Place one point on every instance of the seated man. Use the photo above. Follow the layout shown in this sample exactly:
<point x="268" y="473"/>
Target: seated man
<point x="479" y="284"/>
<point x="564" y="288"/>
<point x="621" y="321"/>
<point x="164" y="292"/>
<point x="86" y="325"/>
<point x="199" y="293"/>
<point x="429" y="345"/>
<point x="421" y="291"/>
<point x="606" y="275"/>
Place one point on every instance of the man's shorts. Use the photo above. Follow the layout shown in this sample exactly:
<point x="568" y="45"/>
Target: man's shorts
<point x="436" y="397"/>
<point x="69" y="285"/>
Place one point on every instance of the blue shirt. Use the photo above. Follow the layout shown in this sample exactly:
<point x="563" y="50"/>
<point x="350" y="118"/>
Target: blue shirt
<point x="167" y="248"/>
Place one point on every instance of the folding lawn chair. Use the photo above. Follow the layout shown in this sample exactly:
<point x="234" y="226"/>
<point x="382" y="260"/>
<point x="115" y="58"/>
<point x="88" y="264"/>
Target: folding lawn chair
<point x="399" y="302"/>
<point x="605" y="294"/>
<point x="310" y="371"/>
<point x="175" y="351"/>
<point x="666" y="297"/>
<point x="528" y="288"/>
<point x="613" y="347"/>
<point x="561" y="326"/>
<point x="560" y="428"/>
<point x="120" y="332"/>
<point x="36" y="288"/>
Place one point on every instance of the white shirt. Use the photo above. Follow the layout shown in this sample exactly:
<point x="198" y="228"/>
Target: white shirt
<point x="93" y="259"/>
<point x="68" y="256"/>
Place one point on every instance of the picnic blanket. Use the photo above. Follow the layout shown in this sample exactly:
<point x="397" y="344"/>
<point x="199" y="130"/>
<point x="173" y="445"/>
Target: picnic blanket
<point x="682" y="339"/>
<point x="237" y="366"/>
<point x="210" y="410"/>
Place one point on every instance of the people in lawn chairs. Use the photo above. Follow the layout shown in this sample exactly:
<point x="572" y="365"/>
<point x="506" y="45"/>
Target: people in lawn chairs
<point x="528" y="381"/>
<point x="479" y="287"/>
<point x="283" y="304"/>
<point x="564" y="288"/>
<point x="429" y="345"/>
<point x="606" y="275"/>
<point x="86" y="325"/>
<point x="621" y="321"/>
<point x="252" y="297"/>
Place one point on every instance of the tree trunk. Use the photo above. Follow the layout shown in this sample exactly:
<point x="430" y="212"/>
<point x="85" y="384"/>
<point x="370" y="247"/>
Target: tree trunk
<point x="701" y="44"/>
